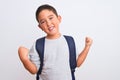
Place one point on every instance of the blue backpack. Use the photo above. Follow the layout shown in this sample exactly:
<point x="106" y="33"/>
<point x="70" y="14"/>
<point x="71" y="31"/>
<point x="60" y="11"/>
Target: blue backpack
<point x="72" y="54"/>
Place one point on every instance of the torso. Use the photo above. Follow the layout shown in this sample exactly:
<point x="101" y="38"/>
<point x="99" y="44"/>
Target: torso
<point x="56" y="60"/>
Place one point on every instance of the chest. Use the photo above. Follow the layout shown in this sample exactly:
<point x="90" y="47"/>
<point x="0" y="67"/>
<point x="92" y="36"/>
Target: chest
<point x="56" y="51"/>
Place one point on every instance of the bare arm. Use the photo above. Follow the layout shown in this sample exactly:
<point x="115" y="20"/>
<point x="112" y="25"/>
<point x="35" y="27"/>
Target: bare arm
<point x="82" y="56"/>
<point x="23" y="55"/>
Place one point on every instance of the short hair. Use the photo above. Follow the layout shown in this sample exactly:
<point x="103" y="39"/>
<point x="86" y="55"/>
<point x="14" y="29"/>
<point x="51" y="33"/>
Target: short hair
<point x="43" y="7"/>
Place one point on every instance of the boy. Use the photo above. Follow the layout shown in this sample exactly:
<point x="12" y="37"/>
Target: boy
<point x="56" y="53"/>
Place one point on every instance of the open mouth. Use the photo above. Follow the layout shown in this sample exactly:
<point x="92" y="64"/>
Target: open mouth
<point x="51" y="28"/>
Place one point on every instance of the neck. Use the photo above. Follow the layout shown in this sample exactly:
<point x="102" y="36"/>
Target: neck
<point x="53" y="36"/>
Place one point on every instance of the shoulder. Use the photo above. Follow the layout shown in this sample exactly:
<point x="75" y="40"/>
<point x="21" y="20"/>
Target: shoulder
<point x="41" y="38"/>
<point x="68" y="36"/>
<point x="36" y="43"/>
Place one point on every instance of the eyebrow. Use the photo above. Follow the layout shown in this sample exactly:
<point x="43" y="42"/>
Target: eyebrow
<point x="50" y="15"/>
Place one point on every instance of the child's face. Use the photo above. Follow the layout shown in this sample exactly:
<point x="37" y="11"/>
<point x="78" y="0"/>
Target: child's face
<point x="49" y="22"/>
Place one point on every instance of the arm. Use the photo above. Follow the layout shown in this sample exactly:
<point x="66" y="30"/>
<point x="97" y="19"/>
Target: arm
<point x="23" y="55"/>
<point x="82" y="56"/>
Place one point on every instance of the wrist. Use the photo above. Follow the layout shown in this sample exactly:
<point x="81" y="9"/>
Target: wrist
<point x="87" y="46"/>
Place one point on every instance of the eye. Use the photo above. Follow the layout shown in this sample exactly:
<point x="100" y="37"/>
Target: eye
<point x="42" y="22"/>
<point x="51" y="18"/>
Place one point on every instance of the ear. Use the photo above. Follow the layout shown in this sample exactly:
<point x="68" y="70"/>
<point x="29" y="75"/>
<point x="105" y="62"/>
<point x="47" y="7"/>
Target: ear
<point x="59" y="18"/>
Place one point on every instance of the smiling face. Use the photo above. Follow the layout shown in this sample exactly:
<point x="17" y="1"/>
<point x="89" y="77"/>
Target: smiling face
<point x="49" y="23"/>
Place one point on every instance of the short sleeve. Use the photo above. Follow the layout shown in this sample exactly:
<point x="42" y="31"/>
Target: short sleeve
<point x="33" y="56"/>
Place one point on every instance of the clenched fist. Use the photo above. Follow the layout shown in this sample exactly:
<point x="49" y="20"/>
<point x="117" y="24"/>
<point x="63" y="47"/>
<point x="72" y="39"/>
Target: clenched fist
<point x="88" y="41"/>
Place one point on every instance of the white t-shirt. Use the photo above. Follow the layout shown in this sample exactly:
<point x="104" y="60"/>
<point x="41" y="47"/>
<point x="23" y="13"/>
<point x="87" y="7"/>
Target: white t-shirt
<point x="56" y="60"/>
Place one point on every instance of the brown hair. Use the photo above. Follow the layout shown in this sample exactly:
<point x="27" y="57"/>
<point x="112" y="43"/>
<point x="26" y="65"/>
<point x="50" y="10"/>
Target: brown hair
<point x="43" y="7"/>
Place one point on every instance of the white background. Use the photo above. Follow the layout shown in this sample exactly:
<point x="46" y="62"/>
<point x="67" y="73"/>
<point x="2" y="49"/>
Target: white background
<point x="99" y="19"/>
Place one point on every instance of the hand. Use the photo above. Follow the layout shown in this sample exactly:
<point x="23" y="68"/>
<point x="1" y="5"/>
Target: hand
<point x="88" y="41"/>
<point x="23" y="53"/>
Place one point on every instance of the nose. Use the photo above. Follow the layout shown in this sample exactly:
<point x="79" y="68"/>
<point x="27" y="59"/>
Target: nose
<point x="48" y="23"/>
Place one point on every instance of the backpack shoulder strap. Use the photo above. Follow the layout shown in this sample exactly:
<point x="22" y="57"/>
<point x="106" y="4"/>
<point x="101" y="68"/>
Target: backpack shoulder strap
<point x="72" y="54"/>
<point x="40" y="49"/>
